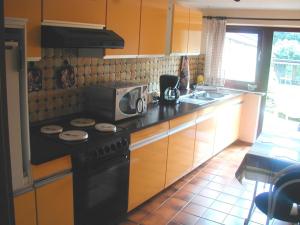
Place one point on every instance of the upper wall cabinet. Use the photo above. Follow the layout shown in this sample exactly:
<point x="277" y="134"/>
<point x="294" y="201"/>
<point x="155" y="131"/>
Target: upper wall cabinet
<point x="29" y="9"/>
<point x="186" y="27"/>
<point x="153" y="27"/>
<point x="123" y="17"/>
<point x="180" y="29"/>
<point x="82" y="11"/>
<point x="195" y="29"/>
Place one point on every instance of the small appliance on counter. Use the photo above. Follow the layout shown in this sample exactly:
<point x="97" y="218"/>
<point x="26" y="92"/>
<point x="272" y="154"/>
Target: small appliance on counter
<point x="169" y="92"/>
<point x="115" y="101"/>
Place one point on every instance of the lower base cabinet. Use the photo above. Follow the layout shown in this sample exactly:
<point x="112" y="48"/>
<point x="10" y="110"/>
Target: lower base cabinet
<point x="147" y="172"/>
<point x="180" y="154"/>
<point x="54" y="199"/>
<point x="227" y="125"/>
<point x="204" y="143"/>
<point x="25" y="209"/>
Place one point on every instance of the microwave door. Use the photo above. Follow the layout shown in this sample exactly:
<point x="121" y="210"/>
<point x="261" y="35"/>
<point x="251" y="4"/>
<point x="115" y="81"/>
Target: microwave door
<point x="127" y="103"/>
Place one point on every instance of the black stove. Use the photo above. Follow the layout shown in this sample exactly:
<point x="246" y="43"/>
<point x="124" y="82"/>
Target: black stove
<point x="100" y="167"/>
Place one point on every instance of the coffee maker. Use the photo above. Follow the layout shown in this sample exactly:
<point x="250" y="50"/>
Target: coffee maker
<point x="169" y="92"/>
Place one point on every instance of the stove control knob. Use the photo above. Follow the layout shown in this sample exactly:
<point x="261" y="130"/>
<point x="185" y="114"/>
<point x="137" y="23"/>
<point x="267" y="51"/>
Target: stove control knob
<point x="93" y="156"/>
<point x="119" y="145"/>
<point x="100" y="152"/>
<point x="124" y="142"/>
<point x="106" y="149"/>
<point x="113" y="147"/>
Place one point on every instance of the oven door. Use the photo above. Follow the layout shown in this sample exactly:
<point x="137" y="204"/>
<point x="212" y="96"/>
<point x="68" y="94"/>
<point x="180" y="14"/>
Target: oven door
<point x="129" y="102"/>
<point x="101" y="193"/>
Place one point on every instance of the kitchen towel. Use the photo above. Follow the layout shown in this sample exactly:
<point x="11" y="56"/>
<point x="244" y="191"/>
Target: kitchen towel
<point x="184" y="80"/>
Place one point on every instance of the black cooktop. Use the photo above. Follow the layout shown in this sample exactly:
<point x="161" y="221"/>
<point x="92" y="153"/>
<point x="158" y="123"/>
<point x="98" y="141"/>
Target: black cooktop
<point x="45" y="147"/>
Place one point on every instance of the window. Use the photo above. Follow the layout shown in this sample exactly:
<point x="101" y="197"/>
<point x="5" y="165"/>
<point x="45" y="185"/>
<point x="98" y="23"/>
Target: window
<point x="240" y="56"/>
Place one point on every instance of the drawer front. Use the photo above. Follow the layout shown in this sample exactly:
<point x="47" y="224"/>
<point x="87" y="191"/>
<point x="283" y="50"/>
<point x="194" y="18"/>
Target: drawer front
<point x="149" y="132"/>
<point x="50" y="168"/>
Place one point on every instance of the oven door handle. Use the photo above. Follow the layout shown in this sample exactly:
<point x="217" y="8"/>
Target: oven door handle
<point x="102" y="166"/>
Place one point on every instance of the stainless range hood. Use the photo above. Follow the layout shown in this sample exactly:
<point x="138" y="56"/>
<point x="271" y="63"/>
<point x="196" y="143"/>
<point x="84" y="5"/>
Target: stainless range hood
<point x="74" y="37"/>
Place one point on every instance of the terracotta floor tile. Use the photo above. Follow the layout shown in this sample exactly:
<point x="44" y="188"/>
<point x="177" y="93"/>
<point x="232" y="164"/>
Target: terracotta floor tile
<point x="221" y="206"/>
<point x="232" y="191"/>
<point x="195" y="209"/>
<point x="203" y="221"/>
<point x="170" y="208"/>
<point x="154" y="203"/>
<point x="244" y="203"/>
<point x="173" y="223"/>
<point x="199" y="181"/>
<point x="214" y="215"/>
<point x="192" y="188"/>
<point x="220" y="180"/>
<point x="232" y="220"/>
<point x="215" y="186"/>
<point x="137" y="215"/>
<point x="227" y="198"/>
<point x="209" y="193"/>
<point x="154" y="219"/>
<point x="185" y="218"/>
<point x="204" y="201"/>
<point x="239" y="212"/>
<point x="179" y="184"/>
<point x="205" y="176"/>
<point x="128" y="223"/>
<point x="258" y="217"/>
<point x="184" y="195"/>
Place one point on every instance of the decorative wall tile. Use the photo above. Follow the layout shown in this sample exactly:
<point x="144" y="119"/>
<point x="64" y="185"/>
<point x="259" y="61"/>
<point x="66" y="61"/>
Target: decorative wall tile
<point x="52" y="101"/>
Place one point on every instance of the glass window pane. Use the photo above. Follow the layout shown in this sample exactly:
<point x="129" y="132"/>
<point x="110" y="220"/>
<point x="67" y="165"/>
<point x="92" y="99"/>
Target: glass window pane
<point x="239" y="57"/>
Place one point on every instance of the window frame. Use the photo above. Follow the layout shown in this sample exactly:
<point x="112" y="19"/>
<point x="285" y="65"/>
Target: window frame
<point x="251" y="30"/>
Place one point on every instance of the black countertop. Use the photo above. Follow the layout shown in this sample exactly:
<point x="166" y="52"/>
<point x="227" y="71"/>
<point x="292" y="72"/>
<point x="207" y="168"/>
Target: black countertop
<point x="44" y="149"/>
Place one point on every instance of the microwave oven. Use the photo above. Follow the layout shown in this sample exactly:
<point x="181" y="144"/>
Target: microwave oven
<point x="115" y="101"/>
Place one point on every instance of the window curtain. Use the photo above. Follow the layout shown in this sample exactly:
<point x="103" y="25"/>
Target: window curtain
<point x="214" y="37"/>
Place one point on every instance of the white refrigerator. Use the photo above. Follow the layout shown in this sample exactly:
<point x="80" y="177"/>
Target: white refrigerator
<point x="18" y="121"/>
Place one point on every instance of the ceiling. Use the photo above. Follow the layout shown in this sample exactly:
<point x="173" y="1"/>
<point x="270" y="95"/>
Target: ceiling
<point x="245" y="4"/>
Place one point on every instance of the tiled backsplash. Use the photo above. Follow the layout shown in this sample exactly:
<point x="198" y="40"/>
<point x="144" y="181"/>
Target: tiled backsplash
<point x="52" y="101"/>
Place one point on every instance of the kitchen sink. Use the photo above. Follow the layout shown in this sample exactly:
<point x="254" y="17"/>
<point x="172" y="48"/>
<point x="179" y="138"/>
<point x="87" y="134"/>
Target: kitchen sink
<point x="203" y="97"/>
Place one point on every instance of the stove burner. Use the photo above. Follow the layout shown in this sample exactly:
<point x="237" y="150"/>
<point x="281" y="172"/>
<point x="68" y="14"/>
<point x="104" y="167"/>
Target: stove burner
<point x="51" y="129"/>
<point x="82" y="122"/>
<point x="73" y="135"/>
<point x="105" y="127"/>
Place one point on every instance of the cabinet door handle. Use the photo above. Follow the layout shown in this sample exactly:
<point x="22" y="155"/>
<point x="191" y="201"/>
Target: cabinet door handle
<point x="148" y="140"/>
<point x="51" y="179"/>
<point x="182" y="127"/>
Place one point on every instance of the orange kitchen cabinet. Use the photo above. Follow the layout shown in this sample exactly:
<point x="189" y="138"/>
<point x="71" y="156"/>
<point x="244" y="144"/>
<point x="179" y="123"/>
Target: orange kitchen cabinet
<point x="204" y="143"/>
<point x="180" y="29"/>
<point x="82" y="11"/>
<point x="195" y="28"/>
<point x="123" y="17"/>
<point x="54" y="201"/>
<point x="181" y="148"/>
<point x="30" y="10"/>
<point x="147" y="164"/>
<point x="147" y="172"/>
<point x="51" y="168"/>
<point x="227" y="124"/>
<point x="25" y="209"/>
<point x="153" y="30"/>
